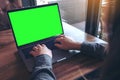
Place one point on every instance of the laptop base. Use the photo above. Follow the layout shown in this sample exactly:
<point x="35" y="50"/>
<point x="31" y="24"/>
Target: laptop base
<point x="58" y="55"/>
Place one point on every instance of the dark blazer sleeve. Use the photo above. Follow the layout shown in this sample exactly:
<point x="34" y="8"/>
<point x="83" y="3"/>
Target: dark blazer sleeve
<point x="43" y="68"/>
<point x="93" y="49"/>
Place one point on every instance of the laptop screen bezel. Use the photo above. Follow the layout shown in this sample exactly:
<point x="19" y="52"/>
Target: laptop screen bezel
<point x="31" y="8"/>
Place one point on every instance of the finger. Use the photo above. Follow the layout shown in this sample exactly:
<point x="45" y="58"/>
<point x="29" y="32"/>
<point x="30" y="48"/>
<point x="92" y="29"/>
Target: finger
<point x="61" y="36"/>
<point x="35" y="48"/>
<point x="38" y="46"/>
<point x="58" y="39"/>
<point x="43" y="45"/>
<point x="32" y="52"/>
<point x="58" y="45"/>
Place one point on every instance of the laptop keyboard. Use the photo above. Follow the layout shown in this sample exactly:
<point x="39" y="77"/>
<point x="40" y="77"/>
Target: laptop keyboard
<point x="49" y="44"/>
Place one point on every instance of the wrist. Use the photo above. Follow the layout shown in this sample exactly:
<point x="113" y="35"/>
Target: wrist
<point x="77" y="46"/>
<point x="43" y="60"/>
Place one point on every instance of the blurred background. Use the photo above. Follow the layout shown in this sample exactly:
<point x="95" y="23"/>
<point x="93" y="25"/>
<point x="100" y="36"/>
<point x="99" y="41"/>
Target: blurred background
<point x="90" y="16"/>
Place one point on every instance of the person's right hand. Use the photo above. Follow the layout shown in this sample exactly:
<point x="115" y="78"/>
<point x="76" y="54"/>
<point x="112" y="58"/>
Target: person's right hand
<point x="64" y="42"/>
<point x="40" y="50"/>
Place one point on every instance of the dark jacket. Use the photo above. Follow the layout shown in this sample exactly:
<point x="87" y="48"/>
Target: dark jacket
<point x="43" y="65"/>
<point x="43" y="68"/>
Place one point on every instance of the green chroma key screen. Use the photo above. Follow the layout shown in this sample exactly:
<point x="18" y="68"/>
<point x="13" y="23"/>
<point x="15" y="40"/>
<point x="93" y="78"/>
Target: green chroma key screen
<point x="37" y="23"/>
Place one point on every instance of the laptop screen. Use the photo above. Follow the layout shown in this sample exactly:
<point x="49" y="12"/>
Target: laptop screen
<point x="35" y="23"/>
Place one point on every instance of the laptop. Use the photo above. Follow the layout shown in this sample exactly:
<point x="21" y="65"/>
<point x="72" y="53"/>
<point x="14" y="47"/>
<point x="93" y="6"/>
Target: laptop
<point x="37" y="25"/>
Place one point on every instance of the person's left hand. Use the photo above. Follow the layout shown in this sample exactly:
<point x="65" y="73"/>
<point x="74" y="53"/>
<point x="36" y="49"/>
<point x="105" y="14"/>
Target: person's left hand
<point x="40" y="50"/>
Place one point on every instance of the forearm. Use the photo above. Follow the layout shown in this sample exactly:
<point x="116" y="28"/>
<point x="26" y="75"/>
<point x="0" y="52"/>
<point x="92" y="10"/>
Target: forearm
<point x="43" y="68"/>
<point x="93" y="49"/>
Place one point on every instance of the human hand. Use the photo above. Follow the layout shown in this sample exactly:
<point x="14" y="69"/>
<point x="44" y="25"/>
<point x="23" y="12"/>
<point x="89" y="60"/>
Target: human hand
<point x="66" y="43"/>
<point x="40" y="50"/>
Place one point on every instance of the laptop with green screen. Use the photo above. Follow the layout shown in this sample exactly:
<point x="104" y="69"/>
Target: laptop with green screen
<point x="35" y="25"/>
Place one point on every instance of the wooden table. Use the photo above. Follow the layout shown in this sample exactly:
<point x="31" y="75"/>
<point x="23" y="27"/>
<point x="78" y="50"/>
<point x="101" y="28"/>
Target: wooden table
<point x="13" y="68"/>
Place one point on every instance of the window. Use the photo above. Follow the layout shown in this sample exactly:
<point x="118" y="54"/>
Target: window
<point x="106" y="15"/>
<point x="92" y="20"/>
<point x="99" y="15"/>
<point x="72" y="11"/>
<point x="39" y="2"/>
